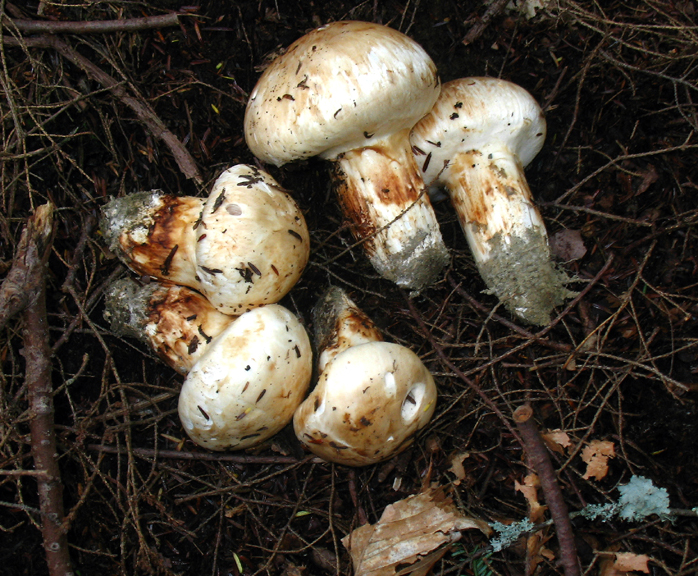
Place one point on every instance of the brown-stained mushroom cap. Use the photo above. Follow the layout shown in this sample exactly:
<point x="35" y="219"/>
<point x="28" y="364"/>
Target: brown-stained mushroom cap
<point x="371" y="396"/>
<point x="245" y="246"/>
<point x="246" y="387"/>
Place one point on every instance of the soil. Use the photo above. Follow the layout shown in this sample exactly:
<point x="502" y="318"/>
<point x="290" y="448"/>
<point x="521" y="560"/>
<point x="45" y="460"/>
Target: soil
<point x="619" y="363"/>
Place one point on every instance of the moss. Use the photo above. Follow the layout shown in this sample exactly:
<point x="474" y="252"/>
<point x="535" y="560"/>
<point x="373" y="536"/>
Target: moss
<point x="521" y="274"/>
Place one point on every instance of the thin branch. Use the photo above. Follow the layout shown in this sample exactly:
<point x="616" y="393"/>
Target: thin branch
<point x="177" y="455"/>
<point x="37" y="354"/>
<point x="95" y="27"/>
<point x="540" y="462"/>
<point x="496" y="8"/>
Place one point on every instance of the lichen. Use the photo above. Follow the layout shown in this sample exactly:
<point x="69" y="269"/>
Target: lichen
<point x="509" y="533"/>
<point x="521" y="273"/>
<point x="603" y="512"/>
<point x="640" y="498"/>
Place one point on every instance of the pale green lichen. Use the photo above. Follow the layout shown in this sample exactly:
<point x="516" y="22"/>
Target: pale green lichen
<point x="603" y="512"/>
<point x="640" y="498"/>
<point x="509" y="533"/>
<point x="520" y="272"/>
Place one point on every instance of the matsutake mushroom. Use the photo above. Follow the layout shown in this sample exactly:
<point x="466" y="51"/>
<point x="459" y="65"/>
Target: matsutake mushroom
<point x="371" y="396"/>
<point x="475" y="142"/>
<point x="244" y="246"/>
<point x="245" y="376"/>
<point x="350" y="92"/>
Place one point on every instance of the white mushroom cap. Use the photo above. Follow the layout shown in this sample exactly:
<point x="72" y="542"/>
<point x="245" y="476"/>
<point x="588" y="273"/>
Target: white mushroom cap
<point x="343" y="86"/>
<point x="246" y="387"/>
<point x="368" y="403"/>
<point x="371" y="396"/>
<point x="475" y="142"/>
<point x="175" y="321"/>
<point x="245" y="246"/>
<point x="252" y="244"/>
<point x="351" y="92"/>
<point x="478" y="114"/>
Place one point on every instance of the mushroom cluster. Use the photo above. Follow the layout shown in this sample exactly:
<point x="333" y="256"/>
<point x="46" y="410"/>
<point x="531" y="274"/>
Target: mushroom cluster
<point x="350" y="92"/>
<point x="371" y="396"/>
<point x="369" y="99"/>
<point x="475" y="142"/>
<point x="247" y="360"/>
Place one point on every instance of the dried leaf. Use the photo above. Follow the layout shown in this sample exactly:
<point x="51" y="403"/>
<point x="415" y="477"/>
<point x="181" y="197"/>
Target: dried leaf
<point x="627" y="562"/>
<point x="410" y="537"/>
<point x="567" y="245"/>
<point x="457" y="466"/>
<point x="530" y="491"/>
<point x="596" y="456"/>
<point x="557" y="440"/>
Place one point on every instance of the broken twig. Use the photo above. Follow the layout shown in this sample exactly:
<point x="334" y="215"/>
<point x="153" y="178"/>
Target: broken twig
<point x="26" y="287"/>
<point x="541" y="464"/>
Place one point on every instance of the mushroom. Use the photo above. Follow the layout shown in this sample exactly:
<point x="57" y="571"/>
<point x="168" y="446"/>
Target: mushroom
<point x="350" y="92"/>
<point x="245" y="375"/>
<point x="371" y="396"/>
<point x="246" y="387"/>
<point x="246" y="245"/>
<point x="475" y="142"/>
<point x="177" y="322"/>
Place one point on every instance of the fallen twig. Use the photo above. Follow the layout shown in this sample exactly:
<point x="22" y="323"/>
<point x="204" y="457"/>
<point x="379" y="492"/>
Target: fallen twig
<point x="28" y="286"/>
<point x="496" y="8"/>
<point x="95" y="27"/>
<point x="177" y="455"/>
<point x="540" y="462"/>
<point x="140" y="107"/>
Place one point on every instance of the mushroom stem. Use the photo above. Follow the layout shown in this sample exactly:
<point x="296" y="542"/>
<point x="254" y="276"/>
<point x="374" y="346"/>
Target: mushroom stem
<point x="176" y="322"/>
<point x="339" y="325"/>
<point x="155" y="233"/>
<point x="505" y="231"/>
<point x="383" y="195"/>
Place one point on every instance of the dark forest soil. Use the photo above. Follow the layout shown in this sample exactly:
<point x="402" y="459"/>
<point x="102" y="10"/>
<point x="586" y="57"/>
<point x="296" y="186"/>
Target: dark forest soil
<point x="618" y="84"/>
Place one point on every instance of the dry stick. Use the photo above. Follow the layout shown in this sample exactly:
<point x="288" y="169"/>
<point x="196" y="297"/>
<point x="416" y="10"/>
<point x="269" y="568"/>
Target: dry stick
<point x="540" y="462"/>
<point x="177" y="455"/>
<point x="140" y="107"/>
<point x="496" y="8"/>
<point x="439" y="350"/>
<point x="95" y="27"/>
<point x="38" y="237"/>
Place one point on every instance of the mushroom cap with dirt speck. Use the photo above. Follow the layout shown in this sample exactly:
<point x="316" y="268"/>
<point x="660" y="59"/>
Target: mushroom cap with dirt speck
<point x="371" y="396"/>
<point x="245" y="246"/>
<point x="341" y="86"/>
<point x="246" y="388"/>
<point x="471" y="114"/>
<point x="252" y="244"/>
